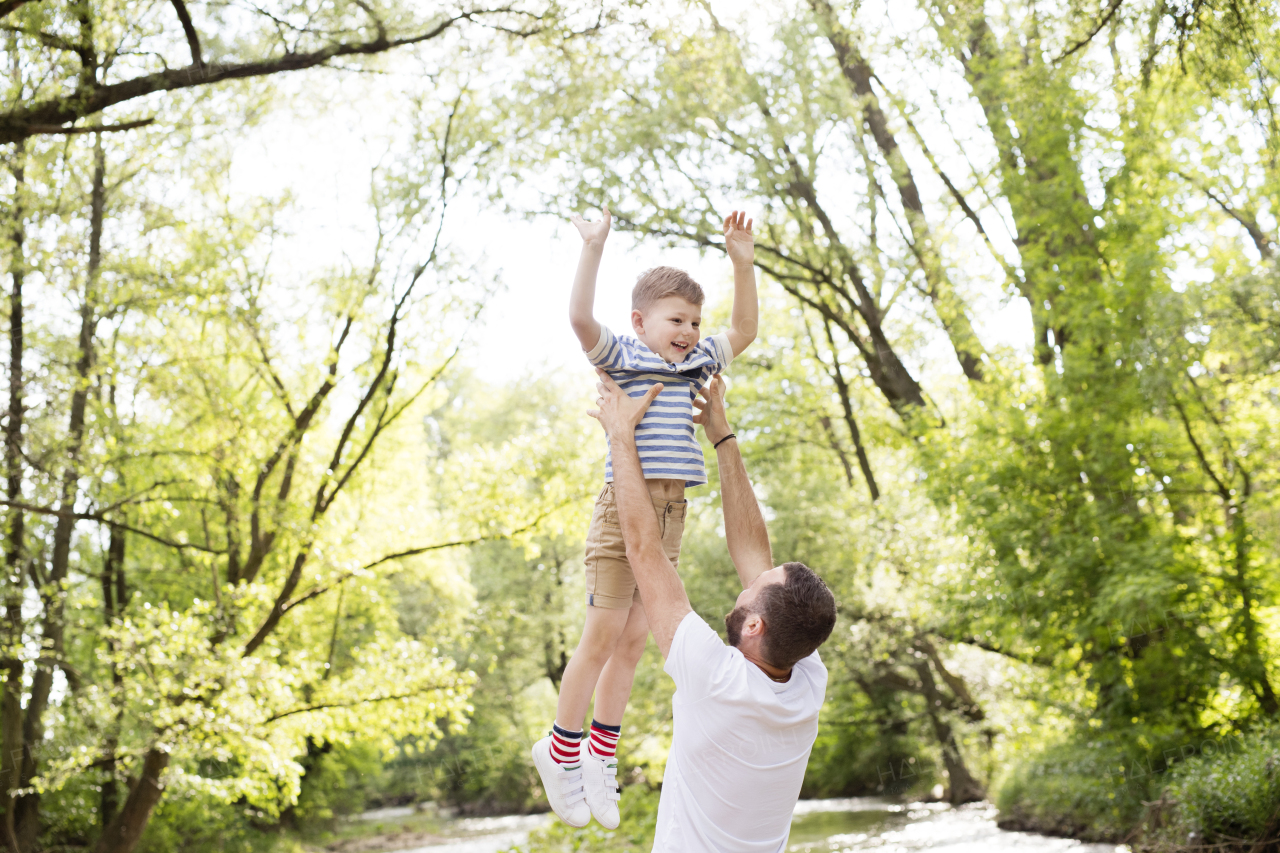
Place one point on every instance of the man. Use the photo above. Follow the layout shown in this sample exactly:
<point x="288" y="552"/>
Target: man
<point x="746" y="714"/>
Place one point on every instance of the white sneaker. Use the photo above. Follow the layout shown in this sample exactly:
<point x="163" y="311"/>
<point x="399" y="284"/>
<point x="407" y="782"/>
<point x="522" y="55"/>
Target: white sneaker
<point x="564" y="788"/>
<point x="601" y="778"/>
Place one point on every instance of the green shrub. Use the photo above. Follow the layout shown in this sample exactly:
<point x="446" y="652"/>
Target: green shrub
<point x="201" y="825"/>
<point x="1088" y="789"/>
<point x="1228" y="797"/>
<point x="339" y="781"/>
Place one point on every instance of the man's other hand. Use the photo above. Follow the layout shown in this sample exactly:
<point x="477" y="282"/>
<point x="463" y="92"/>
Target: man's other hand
<point x="711" y="410"/>
<point x="619" y="413"/>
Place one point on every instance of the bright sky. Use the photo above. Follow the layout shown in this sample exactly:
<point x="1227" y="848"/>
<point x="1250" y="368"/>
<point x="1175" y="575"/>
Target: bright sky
<point x="323" y="156"/>
<point x="325" y="164"/>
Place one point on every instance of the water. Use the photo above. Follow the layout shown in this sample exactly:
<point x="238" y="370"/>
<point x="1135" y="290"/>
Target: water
<point x="819" y="826"/>
<point x="866" y="823"/>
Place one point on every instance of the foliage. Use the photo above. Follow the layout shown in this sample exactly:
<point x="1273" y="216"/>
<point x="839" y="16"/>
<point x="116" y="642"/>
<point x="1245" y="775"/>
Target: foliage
<point x="1082" y="787"/>
<point x="1230" y="798"/>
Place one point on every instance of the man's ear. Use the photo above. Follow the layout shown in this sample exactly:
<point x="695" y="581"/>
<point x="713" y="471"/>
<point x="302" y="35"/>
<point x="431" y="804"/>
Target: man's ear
<point x="637" y="321"/>
<point x="754" y="626"/>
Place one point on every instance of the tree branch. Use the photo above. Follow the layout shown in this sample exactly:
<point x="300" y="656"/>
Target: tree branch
<point x="91" y="98"/>
<point x="1102" y="22"/>
<point x="318" y="591"/>
<point x="1249" y="223"/>
<point x="193" y="40"/>
<point x="53" y="129"/>
<point x="1223" y="491"/>
<point x="329" y="705"/>
<point x="101" y="519"/>
<point x="12" y="5"/>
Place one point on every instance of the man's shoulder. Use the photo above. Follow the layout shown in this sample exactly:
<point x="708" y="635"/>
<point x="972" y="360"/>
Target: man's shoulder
<point x="814" y="671"/>
<point x="696" y="654"/>
<point x="695" y="635"/>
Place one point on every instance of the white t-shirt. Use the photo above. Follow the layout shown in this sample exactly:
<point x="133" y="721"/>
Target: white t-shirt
<point x="739" y="747"/>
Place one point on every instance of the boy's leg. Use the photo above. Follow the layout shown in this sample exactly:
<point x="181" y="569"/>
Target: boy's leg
<point x="600" y="637"/>
<point x="613" y="690"/>
<point x="558" y="756"/>
<point x="599" y="763"/>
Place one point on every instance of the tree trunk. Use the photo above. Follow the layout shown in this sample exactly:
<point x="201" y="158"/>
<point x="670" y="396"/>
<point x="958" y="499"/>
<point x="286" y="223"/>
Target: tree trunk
<point x="113" y="592"/>
<point x="11" y="699"/>
<point x="27" y="807"/>
<point x="947" y="305"/>
<point x="1254" y="667"/>
<point x="124" y="832"/>
<point x="964" y="788"/>
<point x="1037" y="174"/>
<point x="846" y="405"/>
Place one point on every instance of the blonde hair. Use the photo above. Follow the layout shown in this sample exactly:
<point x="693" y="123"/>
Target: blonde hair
<point x="660" y="282"/>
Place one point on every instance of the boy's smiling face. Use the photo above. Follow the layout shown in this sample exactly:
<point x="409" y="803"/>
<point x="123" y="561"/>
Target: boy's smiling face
<point x="670" y="327"/>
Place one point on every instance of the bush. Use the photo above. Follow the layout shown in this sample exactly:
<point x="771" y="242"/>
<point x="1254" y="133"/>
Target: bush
<point x="339" y="781"/>
<point x="1229" y="799"/>
<point x="1093" y="790"/>
<point x="200" y="825"/>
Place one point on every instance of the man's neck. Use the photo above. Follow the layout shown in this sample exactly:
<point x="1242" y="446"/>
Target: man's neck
<point x="779" y="675"/>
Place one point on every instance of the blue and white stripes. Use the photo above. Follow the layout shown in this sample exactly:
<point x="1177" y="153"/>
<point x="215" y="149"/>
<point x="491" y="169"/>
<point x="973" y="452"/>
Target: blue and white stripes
<point x="665" y="439"/>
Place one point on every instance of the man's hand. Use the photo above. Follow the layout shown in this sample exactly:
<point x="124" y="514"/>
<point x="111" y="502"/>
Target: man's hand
<point x="593" y="233"/>
<point x="738" y="240"/>
<point x="711" y="410"/>
<point x="619" y="413"/>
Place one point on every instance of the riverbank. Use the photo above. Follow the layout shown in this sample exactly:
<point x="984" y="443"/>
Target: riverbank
<point x="1194" y="793"/>
<point x="819" y="826"/>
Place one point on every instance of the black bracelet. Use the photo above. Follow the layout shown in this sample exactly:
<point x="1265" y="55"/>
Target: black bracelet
<point x="716" y="446"/>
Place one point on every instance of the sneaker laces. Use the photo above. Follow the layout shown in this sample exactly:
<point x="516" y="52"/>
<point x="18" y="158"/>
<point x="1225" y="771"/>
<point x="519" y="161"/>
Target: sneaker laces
<point x="572" y="786"/>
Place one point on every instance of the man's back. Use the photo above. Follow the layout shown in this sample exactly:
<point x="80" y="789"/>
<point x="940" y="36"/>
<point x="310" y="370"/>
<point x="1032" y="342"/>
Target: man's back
<point x="739" y="748"/>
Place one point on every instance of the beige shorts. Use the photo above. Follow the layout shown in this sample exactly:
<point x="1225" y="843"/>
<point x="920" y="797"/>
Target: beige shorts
<point x="610" y="581"/>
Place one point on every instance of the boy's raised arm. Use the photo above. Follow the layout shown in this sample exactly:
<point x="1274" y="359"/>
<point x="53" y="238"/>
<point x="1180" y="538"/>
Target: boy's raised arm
<point x="740" y="245"/>
<point x="582" y="300"/>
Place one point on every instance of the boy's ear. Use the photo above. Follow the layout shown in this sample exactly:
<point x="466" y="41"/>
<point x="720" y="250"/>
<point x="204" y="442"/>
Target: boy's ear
<point x="637" y="321"/>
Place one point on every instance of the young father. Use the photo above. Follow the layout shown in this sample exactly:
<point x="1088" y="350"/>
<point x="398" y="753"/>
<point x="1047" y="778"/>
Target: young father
<point x="746" y="714"/>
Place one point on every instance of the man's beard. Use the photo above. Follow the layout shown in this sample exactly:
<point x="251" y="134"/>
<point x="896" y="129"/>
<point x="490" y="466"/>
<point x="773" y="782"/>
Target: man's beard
<point x="733" y="624"/>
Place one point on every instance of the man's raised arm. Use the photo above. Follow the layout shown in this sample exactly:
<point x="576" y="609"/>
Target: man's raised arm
<point x="744" y="529"/>
<point x="665" y="601"/>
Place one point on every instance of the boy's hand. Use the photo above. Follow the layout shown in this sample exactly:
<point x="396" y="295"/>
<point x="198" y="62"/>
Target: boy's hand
<point x="593" y="233"/>
<point x="738" y="241"/>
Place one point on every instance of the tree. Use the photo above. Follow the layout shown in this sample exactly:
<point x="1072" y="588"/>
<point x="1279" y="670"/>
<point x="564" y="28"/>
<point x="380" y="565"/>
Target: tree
<point x="212" y="461"/>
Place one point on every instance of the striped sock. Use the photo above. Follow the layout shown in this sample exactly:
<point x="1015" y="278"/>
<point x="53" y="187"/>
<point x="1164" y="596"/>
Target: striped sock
<point x="604" y="740"/>
<point x="565" y="746"/>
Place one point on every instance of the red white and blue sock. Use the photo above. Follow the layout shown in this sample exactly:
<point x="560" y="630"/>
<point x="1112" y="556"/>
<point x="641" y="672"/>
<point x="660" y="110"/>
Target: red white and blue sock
<point x="565" y="747"/>
<point x="604" y="740"/>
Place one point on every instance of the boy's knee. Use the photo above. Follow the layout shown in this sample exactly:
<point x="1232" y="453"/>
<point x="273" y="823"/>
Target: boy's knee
<point x="599" y="639"/>
<point x="631" y="647"/>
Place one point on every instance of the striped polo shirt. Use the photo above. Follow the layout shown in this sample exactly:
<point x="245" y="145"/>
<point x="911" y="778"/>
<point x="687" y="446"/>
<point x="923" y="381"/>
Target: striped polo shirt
<point x="664" y="437"/>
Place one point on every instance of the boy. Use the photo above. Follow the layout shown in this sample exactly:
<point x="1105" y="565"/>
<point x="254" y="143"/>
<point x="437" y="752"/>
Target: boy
<point x="580" y="780"/>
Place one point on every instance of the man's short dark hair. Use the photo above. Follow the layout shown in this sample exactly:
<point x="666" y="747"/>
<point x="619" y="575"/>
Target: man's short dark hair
<point x="798" y="614"/>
